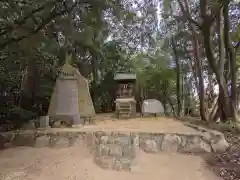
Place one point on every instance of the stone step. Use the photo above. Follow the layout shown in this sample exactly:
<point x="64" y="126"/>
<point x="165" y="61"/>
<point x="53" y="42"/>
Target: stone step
<point x="124" y="111"/>
<point x="125" y="108"/>
<point x="124" y="105"/>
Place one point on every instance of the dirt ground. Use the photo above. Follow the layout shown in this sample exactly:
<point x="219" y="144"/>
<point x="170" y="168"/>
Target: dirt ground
<point x="76" y="163"/>
<point x="151" y="124"/>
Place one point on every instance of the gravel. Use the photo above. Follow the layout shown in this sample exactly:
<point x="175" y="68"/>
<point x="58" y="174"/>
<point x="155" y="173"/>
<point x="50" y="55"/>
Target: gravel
<point x="227" y="164"/>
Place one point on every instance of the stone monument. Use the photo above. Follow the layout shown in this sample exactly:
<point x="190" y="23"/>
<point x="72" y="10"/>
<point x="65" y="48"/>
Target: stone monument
<point x="71" y="101"/>
<point x="152" y="106"/>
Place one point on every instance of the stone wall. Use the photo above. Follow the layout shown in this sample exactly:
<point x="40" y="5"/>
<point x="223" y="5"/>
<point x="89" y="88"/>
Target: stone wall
<point x="114" y="150"/>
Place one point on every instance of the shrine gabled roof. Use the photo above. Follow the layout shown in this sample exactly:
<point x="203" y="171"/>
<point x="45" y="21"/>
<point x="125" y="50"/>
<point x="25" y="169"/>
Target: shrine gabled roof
<point x="125" y="76"/>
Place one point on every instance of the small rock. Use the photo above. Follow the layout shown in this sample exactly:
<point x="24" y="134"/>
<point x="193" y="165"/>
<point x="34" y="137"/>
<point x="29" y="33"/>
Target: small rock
<point x="15" y="176"/>
<point x="117" y="165"/>
<point x="60" y="121"/>
<point x="90" y="140"/>
<point x="220" y="145"/>
<point x="217" y="140"/>
<point x="105" y="162"/>
<point x="60" y="142"/>
<point x="129" y="152"/>
<point x="42" y="141"/>
<point x="99" y="134"/>
<point x="207" y="136"/>
<point x="135" y="140"/>
<point x="56" y="124"/>
<point x="158" y="138"/>
<point x="102" y="150"/>
<point x="195" y="145"/>
<point x="72" y="139"/>
<point x="9" y="136"/>
<point x="150" y="146"/>
<point x="24" y="140"/>
<point x="29" y="125"/>
<point x="124" y="140"/>
<point x="115" y="150"/>
<point x="171" y="143"/>
<point x="104" y="139"/>
<point x="125" y="163"/>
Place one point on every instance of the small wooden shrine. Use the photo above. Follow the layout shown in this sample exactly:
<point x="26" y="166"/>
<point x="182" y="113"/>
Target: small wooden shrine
<point x="125" y="95"/>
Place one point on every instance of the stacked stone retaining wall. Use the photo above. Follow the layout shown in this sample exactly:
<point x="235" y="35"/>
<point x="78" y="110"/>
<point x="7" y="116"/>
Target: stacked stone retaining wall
<point x="118" y="150"/>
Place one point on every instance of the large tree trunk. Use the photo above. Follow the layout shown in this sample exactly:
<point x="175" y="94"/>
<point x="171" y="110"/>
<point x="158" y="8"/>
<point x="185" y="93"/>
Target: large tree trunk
<point x="222" y="60"/>
<point x="232" y="59"/>
<point x="30" y="86"/>
<point x="95" y="79"/>
<point x="199" y="68"/>
<point x="178" y="77"/>
<point x="206" y="32"/>
<point x="219" y="76"/>
<point x="192" y="67"/>
<point x="214" y="115"/>
<point x="205" y="27"/>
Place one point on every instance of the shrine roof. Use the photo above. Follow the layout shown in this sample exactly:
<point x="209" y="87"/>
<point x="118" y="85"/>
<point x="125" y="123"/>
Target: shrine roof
<point x="125" y="76"/>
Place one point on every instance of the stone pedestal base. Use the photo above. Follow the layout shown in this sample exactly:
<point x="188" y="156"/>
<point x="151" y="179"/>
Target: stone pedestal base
<point x="125" y="108"/>
<point x="73" y="119"/>
<point x="77" y="120"/>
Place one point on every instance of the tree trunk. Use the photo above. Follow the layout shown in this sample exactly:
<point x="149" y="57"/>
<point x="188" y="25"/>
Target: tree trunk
<point x="95" y="79"/>
<point x="199" y="68"/>
<point x="232" y="59"/>
<point x="221" y="113"/>
<point x="191" y="67"/>
<point x="214" y="109"/>
<point x="220" y="77"/>
<point x="178" y="78"/>
<point x="30" y="86"/>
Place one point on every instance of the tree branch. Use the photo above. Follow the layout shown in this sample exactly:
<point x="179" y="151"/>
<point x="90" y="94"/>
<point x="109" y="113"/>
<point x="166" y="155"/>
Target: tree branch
<point x="237" y="46"/>
<point x="187" y="15"/>
<point x="52" y="16"/>
<point x="23" y="20"/>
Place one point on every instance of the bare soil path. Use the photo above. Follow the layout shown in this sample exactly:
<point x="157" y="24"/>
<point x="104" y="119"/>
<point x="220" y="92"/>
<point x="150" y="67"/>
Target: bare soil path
<point x="76" y="164"/>
<point x="152" y="124"/>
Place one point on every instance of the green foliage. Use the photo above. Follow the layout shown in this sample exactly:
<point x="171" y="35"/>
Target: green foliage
<point x="155" y="77"/>
<point x="23" y="114"/>
<point x="104" y="37"/>
<point x="238" y="61"/>
<point x="166" y="5"/>
<point x="19" y="116"/>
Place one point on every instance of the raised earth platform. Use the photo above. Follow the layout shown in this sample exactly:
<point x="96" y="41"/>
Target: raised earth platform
<point x="116" y="144"/>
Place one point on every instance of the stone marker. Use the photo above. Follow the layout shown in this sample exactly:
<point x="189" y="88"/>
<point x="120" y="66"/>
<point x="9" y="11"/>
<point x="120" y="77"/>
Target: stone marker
<point x="44" y="121"/>
<point x="71" y="96"/>
<point x="152" y="106"/>
<point x="67" y="103"/>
